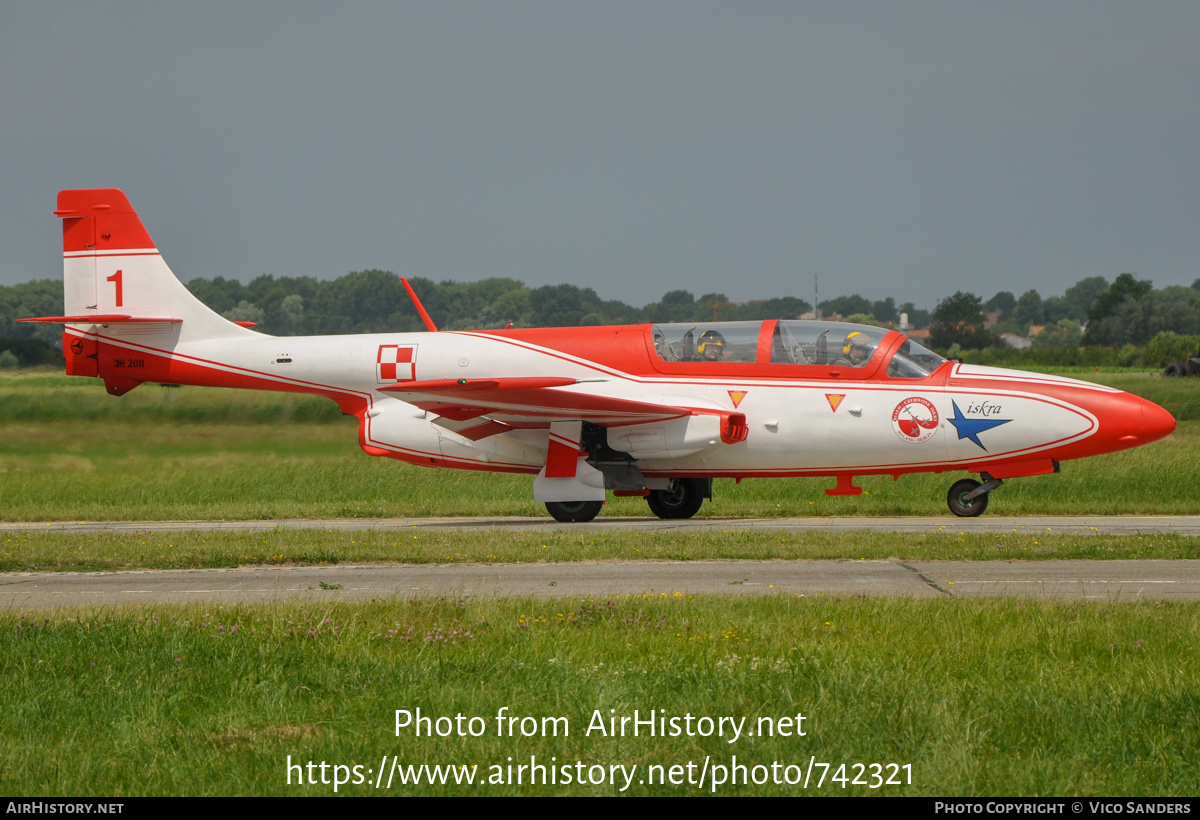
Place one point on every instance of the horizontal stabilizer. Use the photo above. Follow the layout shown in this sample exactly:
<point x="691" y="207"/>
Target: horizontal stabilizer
<point x="98" y="319"/>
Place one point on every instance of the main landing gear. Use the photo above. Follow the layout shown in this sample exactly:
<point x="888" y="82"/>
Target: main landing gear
<point x="573" y="511"/>
<point x="968" y="498"/>
<point x="682" y="499"/>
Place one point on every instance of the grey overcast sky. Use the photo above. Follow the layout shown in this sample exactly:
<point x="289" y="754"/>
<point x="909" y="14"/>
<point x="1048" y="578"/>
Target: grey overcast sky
<point x="904" y="149"/>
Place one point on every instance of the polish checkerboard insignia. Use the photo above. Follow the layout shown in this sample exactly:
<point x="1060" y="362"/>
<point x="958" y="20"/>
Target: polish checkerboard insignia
<point x="396" y="363"/>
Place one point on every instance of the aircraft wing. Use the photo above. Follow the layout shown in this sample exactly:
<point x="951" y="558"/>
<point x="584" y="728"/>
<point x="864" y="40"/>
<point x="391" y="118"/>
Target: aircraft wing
<point x="482" y="407"/>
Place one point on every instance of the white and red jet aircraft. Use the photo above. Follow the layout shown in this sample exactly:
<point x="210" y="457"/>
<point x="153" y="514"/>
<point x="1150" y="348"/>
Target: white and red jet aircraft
<point x="652" y="410"/>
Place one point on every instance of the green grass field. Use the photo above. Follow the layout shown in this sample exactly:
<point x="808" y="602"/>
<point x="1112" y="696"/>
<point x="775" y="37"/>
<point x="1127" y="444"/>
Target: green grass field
<point x="978" y="698"/>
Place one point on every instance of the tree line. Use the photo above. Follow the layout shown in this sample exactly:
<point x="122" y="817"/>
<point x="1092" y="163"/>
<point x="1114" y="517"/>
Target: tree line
<point x="372" y="301"/>
<point x="1125" y="311"/>
<point x="1092" y="313"/>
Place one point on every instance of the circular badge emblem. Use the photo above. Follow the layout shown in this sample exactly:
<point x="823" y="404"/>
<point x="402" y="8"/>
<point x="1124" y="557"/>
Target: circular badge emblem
<point x="915" y="419"/>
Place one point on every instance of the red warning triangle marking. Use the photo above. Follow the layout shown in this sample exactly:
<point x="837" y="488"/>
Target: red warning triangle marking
<point x="736" y="397"/>
<point x="834" y="400"/>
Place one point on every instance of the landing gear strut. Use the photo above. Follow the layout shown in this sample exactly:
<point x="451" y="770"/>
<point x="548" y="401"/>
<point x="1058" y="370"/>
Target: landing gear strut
<point x="969" y="498"/>
<point x="573" y="511"/>
<point x="682" y="500"/>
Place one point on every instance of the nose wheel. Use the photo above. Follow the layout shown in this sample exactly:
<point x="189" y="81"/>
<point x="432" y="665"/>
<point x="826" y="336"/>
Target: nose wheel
<point x="682" y="500"/>
<point x="968" y="498"/>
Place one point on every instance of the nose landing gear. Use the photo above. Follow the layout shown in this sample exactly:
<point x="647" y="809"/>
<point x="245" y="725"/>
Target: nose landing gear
<point x="682" y="500"/>
<point x="969" y="498"/>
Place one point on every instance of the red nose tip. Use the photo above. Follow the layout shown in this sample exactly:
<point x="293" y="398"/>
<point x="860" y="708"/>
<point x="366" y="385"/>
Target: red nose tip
<point x="1156" y="422"/>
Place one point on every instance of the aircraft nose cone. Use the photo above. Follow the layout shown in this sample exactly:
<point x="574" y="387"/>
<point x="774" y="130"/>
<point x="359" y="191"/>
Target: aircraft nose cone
<point x="1156" y="422"/>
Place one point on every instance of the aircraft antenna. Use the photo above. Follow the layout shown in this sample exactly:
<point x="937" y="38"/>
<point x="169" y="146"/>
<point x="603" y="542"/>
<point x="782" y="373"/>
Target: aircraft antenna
<point x="412" y="294"/>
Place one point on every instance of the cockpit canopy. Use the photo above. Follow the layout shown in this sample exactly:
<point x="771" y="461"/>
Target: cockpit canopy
<point x="792" y="342"/>
<point x="682" y="342"/>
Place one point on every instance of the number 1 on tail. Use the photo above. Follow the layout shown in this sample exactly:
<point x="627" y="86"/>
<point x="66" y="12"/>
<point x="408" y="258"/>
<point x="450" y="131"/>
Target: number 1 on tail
<point x="116" y="280"/>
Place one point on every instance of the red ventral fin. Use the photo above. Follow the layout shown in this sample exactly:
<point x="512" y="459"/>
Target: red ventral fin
<point x="119" y="386"/>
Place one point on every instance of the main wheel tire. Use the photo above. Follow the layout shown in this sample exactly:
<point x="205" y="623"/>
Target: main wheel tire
<point x="573" y="511"/>
<point x="957" y="499"/>
<point x="683" y="500"/>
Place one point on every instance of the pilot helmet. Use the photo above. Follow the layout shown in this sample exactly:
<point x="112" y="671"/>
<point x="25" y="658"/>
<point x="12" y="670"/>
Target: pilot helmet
<point x="711" y="337"/>
<point x="858" y="339"/>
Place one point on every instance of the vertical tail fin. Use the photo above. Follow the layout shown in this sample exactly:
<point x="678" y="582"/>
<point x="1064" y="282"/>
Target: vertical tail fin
<point x="113" y="271"/>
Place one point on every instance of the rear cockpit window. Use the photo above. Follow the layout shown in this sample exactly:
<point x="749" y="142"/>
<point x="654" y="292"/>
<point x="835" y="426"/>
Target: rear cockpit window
<point x="707" y="342"/>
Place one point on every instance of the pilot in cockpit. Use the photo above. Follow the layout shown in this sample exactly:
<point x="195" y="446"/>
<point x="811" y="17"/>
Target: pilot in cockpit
<point x="856" y="350"/>
<point x="711" y="347"/>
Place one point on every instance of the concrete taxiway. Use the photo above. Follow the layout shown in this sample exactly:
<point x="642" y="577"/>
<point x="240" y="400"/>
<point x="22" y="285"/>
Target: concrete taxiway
<point x="1132" y="580"/>
<point x="1074" y="580"/>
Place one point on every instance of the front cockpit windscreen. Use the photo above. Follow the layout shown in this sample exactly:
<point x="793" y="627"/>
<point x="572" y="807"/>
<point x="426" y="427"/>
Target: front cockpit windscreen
<point x="707" y="342"/>
<point x="824" y="343"/>
<point x="913" y="362"/>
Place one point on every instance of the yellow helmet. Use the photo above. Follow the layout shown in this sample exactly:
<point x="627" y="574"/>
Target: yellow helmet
<point x="856" y="339"/>
<point x="710" y="337"/>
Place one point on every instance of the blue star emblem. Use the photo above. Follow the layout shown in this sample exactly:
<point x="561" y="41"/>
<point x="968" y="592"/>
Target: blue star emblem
<point x="971" y="428"/>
